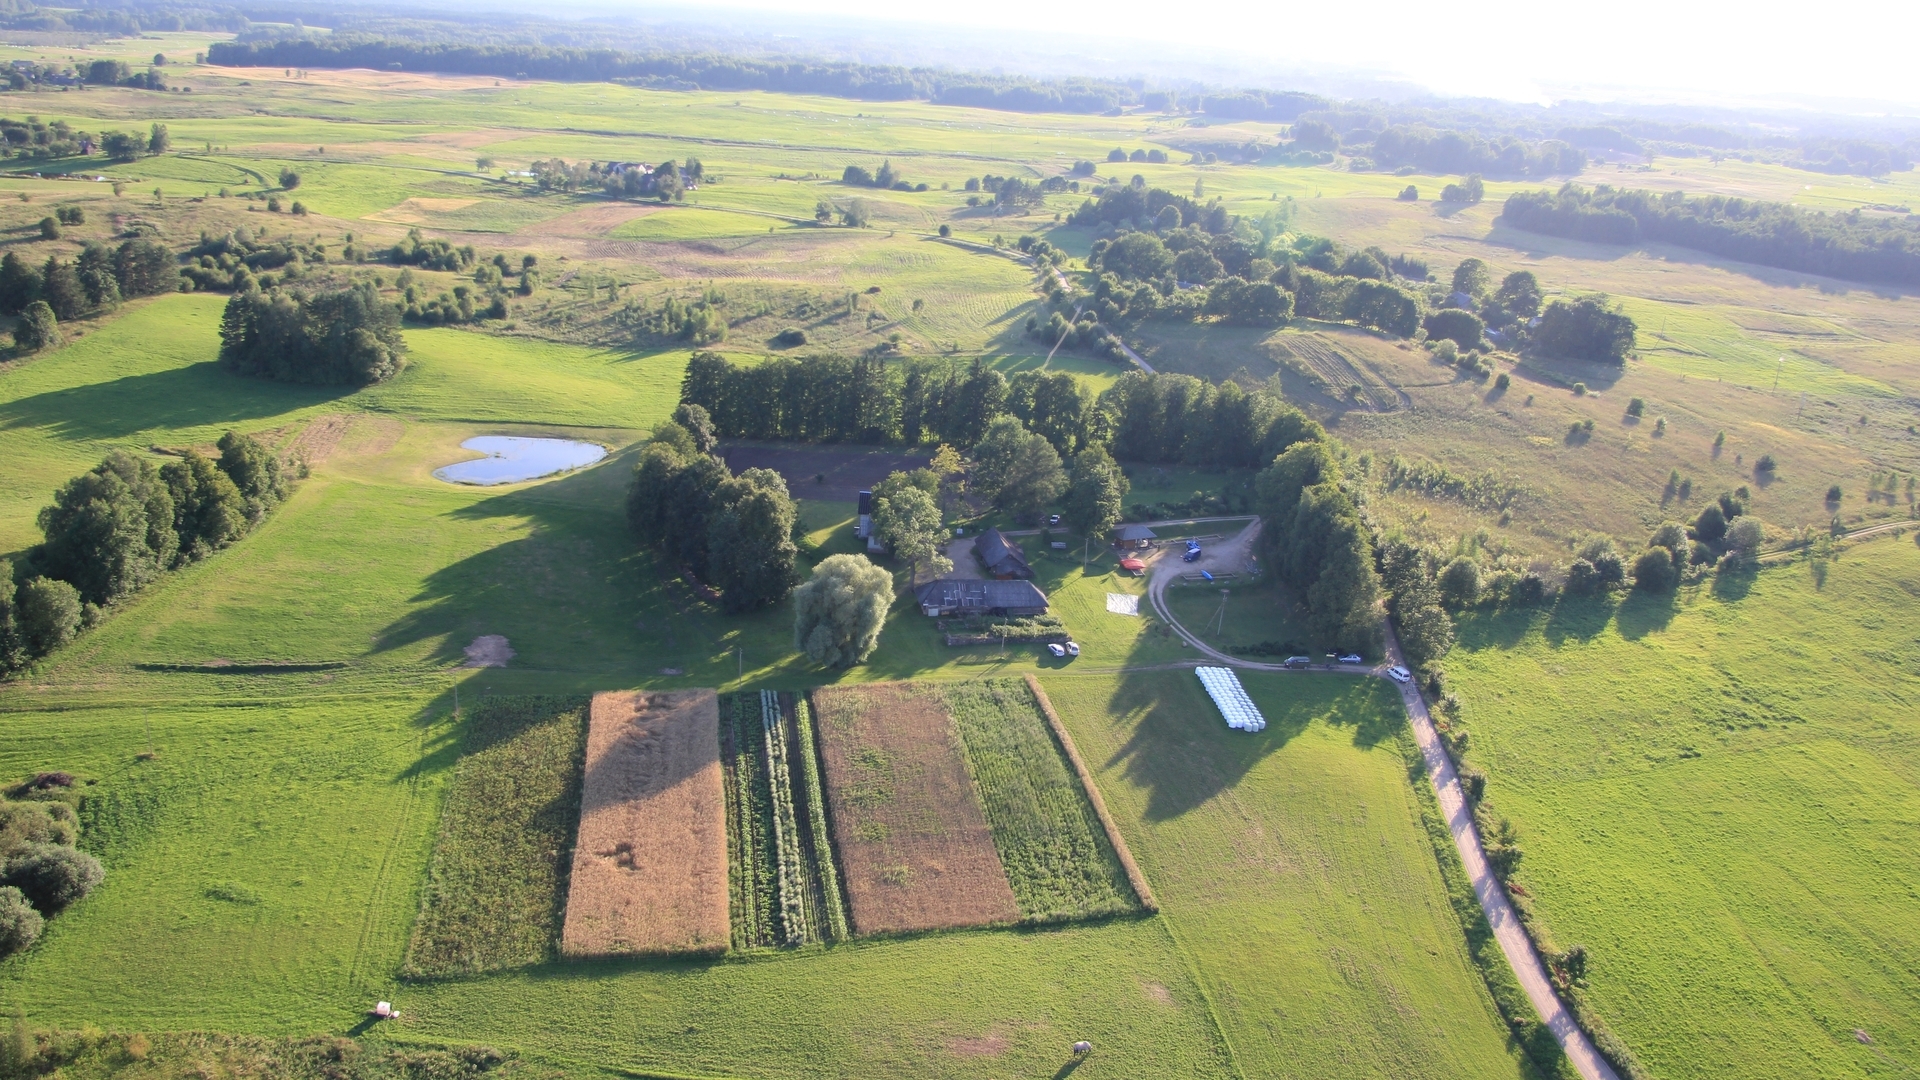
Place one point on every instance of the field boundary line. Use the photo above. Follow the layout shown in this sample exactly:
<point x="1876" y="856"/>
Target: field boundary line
<point x="1135" y="878"/>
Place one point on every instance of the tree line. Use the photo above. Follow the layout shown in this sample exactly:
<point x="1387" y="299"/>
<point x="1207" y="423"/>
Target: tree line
<point x="115" y="530"/>
<point x="98" y="280"/>
<point x="1159" y="418"/>
<point x="734" y="533"/>
<point x="1458" y="151"/>
<point x="342" y="337"/>
<point x="1853" y="246"/>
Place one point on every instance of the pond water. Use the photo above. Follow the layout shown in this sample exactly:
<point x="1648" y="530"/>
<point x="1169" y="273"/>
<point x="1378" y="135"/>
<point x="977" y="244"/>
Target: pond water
<point x="511" y="459"/>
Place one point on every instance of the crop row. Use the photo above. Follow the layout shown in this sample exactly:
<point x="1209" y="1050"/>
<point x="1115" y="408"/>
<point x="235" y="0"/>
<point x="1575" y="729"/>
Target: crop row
<point x="791" y="863"/>
<point x="834" y="903"/>
<point x="749" y="824"/>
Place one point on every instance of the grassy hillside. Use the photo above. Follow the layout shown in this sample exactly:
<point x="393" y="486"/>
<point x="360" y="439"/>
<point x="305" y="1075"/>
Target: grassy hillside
<point x="1717" y="796"/>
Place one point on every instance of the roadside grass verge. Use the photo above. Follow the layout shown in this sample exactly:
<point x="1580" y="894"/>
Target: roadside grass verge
<point x="1055" y="853"/>
<point x="496" y="886"/>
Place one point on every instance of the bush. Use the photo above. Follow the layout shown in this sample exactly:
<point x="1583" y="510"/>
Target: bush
<point x="1503" y="382"/>
<point x="1654" y="571"/>
<point x="1636" y="407"/>
<point x="38" y="328"/>
<point x="1409" y="194"/>
<point x="49" y="229"/>
<point x="49" y="614"/>
<point x="52" y="877"/>
<point x="20" y="925"/>
<point x="790" y="337"/>
<point x="946" y="230"/>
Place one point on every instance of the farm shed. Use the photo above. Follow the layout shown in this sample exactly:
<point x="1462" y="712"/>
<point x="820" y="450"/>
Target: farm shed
<point x="1134" y="537"/>
<point x="1001" y="556"/>
<point x="948" y="596"/>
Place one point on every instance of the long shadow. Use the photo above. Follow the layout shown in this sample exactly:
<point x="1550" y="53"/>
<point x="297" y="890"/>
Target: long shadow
<point x="1643" y="613"/>
<point x="1178" y="747"/>
<point x="198" y="395"/>
<point x="1475" y="631"/>
<point x="1735" y="582"/>
<point x="1579" y="618"/>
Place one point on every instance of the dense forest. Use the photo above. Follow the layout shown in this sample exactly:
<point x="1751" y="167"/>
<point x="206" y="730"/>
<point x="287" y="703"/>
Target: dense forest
<point x="1432" y="151"/>
<point x="1856" y="246"/>
<point x="864" y="82"/>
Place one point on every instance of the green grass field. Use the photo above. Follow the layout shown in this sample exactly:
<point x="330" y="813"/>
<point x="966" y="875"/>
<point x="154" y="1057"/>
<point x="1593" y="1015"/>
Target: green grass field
<point x="495" y="893"/>
<point x="1055" y="853"/>
<point x="1716" y="796"/>
<point x="1293" y="868"/>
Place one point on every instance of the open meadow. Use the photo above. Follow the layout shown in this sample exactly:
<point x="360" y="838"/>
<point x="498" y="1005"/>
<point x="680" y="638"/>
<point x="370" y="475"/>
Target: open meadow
<point x="309" y="795"/>
<point x="1716" y="796"/>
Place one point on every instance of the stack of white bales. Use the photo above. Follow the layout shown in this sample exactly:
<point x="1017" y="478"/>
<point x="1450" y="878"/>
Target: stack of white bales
<point x="1223" y="686"/>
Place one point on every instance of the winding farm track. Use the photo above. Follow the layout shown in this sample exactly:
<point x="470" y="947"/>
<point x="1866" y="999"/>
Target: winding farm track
<point x="1513" y="939"/>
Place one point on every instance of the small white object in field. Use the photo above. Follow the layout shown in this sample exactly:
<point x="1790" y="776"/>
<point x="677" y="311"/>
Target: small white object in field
<point x="1123" y="604"/>
<point x="1083" y="1047"/>
<point x="383" y="1010"/>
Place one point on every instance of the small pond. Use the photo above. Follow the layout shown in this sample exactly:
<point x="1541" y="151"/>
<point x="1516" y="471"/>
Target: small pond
<point x="511" y="459"/>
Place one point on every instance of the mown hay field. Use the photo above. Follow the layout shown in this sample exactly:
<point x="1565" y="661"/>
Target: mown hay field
<point x="1055" y="852"/>
<point x="1716" y="794"/>
<point x="650" y="867"/>
<point x="496" y="887"/>
<point x="907" y="822"/>
<point x="1294" y="868"/>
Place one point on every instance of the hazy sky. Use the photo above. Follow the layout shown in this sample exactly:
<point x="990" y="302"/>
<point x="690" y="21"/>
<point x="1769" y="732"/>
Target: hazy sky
<point x="1531" y="50"/>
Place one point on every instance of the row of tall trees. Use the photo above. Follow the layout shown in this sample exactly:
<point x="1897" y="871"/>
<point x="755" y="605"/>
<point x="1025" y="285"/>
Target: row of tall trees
<point x="116" y="529"/>
<point x="1316" y="539"/>
<point x="1854" y="246"/>
<point x="344" y="337"/>
<point x="1160" y="418"/>
<point x="97" y="280"/>
<point x="733" y="532"/>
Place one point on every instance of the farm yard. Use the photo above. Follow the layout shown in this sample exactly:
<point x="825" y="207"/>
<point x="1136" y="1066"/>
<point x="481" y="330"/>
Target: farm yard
<point x="660" y="840"/>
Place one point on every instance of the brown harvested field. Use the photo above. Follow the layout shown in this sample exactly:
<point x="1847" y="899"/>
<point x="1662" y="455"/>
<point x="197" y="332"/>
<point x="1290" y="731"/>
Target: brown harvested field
<point x="913" y="840"/>
<point x="650" y="866"/>
<point x="847" y="472"/>
<point x="591" y="221"/>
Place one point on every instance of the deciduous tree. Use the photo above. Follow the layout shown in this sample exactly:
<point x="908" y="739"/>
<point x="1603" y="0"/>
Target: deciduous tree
<point x="840" y="610"/>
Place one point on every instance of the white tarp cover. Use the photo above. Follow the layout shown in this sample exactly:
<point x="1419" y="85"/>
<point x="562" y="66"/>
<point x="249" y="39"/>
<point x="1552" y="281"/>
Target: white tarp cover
<point x="1123" y="604"/>
<point x="1223" y="686"/>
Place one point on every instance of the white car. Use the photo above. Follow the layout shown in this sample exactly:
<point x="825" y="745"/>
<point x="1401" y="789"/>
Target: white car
<point x="1073" y="648"/>
<point x="1056" y="648"/>
<point x="1352" y="658"/>
<point x="1400" y="674"/>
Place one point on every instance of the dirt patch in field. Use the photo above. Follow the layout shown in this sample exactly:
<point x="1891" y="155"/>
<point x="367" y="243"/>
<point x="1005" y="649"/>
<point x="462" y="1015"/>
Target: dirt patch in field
<point x="650" y="866"/>
<point x="417" y="210"/>
<point x="316" y="441"/>
<point x="984" y="1046"/>
<point x="847" y="472"/>
<point x="592" y="221"/>
<point x="488" y="650"/>
<point x="912" y="836"/>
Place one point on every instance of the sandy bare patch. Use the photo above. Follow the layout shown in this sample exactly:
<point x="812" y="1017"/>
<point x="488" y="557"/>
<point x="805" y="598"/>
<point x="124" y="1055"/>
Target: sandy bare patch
<point x="912" y="836"/>
<point x="984" y="1046"/>
<point x="1158" y="994"/>
<point x="488" y="650"/>
<point x="415" y="211"/>
<point x="587" y="222"/>
<point x="650" y="865"/>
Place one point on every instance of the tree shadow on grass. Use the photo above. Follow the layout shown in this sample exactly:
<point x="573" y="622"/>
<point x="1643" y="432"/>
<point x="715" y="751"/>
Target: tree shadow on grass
<point x="1579" y="618"/>
<point x="1642" y="613"/>
<point x="1735" y="582"/>
<point x="1475" y="631"/>
<point x="198" y="395"/>
<point x="1179" y="748"/>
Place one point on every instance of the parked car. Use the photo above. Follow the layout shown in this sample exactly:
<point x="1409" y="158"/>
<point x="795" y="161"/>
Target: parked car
<point x="1400" y="674"/>
<point x="1073" y="648"/>
<point x="1193" y="553"/>
<point x="1056" y="648"/>
<point x="1352" y="658"/>
<point x="1053" y="519"/>
<point x="1298" y="661"/>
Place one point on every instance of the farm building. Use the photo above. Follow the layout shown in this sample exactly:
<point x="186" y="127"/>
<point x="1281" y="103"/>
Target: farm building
<point x="1001" y="557"/>
<point x="1133" y="536"/>
<point x="949" y="596"/>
